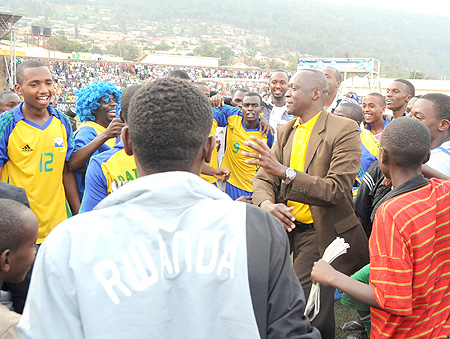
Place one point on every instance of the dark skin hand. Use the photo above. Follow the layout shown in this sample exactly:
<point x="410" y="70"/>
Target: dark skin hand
<point x="245" y="198"/>
<point x="217" y="101"/>
<point x="265" y="127"/>
<point x="263" y="157"/>
<point x="222" y="174"/>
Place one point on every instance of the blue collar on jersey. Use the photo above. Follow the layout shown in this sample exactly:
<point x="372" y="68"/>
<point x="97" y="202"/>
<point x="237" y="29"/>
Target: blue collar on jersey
<point x="18" y="115"/>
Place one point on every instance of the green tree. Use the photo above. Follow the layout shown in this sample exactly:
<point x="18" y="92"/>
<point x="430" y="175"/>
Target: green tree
<point x="206" y="49"/>
<point x="163" y="46"/>
<point x="64" y="45"/>
<point x="97" y="50"/>
<point x="128" y="51"/>
<point x="225" y="54"/>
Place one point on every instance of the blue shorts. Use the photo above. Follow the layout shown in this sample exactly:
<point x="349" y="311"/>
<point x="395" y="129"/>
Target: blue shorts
<point x="235" y="192"/>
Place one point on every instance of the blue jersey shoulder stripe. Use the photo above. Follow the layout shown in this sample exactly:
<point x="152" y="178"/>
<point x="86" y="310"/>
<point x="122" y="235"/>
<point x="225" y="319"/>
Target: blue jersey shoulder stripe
<point x="5" y="120"/>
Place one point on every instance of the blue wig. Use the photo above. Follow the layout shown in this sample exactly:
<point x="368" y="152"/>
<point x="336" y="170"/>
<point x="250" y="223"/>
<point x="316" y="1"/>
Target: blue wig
<point x="89" y="96"/>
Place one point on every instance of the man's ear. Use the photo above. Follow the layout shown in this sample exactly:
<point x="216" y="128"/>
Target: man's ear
<point x="208" y="147"/>
<point x="384" y="156"/>
<point x="444" y="124"/>
<point x="127" y="144"/>
<point x="409" y="97"/>
<point x="5" y="261"/>
<point x="18" y="90"/>
<point x="317" y="93"/>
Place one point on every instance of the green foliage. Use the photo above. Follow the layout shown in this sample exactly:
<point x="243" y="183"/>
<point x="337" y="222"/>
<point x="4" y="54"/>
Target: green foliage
<point x="64" y="45"/>
<point x="163" y="46"/>
<point x="225" y="54"/>
<point x="124" y="50"/>
<point x="208" y="49"/>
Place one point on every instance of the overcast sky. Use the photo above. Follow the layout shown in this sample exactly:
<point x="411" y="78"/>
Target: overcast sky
<point x="439" y="7"/>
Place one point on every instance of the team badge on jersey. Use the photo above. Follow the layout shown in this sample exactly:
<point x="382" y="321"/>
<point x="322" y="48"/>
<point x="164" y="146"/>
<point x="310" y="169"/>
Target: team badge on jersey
<point x="59" y="142"/>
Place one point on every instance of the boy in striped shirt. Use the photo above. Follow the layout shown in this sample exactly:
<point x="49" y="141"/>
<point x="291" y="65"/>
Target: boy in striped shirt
<point x="409" y="286"/>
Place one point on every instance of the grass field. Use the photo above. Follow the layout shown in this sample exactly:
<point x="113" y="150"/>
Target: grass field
<point x="342" y="314"/>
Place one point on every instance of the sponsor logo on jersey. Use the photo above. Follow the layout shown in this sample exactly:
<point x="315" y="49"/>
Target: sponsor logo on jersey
<point x="27" y="148"/>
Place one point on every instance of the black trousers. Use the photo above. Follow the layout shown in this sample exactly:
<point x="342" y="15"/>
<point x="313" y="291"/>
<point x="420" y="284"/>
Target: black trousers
<point x="305" y="254"/>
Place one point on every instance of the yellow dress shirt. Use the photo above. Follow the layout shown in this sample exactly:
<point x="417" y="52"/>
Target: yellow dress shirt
<point x="302" y="134"/>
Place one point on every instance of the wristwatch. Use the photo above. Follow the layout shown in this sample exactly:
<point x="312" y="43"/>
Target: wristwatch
<point x="290" y="175"/>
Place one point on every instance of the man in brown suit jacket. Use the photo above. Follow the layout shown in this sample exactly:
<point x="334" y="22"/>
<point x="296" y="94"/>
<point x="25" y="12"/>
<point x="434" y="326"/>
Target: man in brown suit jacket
<point x="330" y="162"/>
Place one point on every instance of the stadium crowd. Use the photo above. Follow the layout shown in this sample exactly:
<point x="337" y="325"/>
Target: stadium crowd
<point x="72" y="75"/>
<point x="145" y="225"/>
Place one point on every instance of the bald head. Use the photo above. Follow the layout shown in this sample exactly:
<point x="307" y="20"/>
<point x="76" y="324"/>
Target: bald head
<point x="350" y="111"/>
<point x="307" y="94"/>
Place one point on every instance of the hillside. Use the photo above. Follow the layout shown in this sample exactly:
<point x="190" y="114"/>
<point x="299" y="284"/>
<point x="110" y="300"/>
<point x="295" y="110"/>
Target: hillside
<point x="404" y="42"/>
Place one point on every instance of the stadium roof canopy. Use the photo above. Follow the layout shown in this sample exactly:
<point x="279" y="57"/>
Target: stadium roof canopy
<point x="7" y="20"/>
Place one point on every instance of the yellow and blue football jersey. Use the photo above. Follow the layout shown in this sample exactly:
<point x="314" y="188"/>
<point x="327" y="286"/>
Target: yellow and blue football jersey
<point x="85" y="133"/>
<point x="241" y="172"/>
<point x="105" y="170"/>
<point x="33" y="158"/>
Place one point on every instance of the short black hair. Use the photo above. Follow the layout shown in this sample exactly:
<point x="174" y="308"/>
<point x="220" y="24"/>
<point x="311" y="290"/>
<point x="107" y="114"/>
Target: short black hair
<point x="5" y="93"/>
<point x="337" y="74"/>
<point x="354" y="111"/>
<point x="11" y="230"/>
<point x="239" y="89"/>
<point x="27" y="64"/>
<point x="254" y="94"/>
<point x="411" y="89"/>
<point x="280" y="71"/>
<point x="169" y="120"/>
<point x="441" y="104"/>
<point x="379" y="96"/>
<point x="179" y="74"/>
<point x="408" y="142"/>
<point x="199" y="83"/>
<point x="125" y="99"/>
